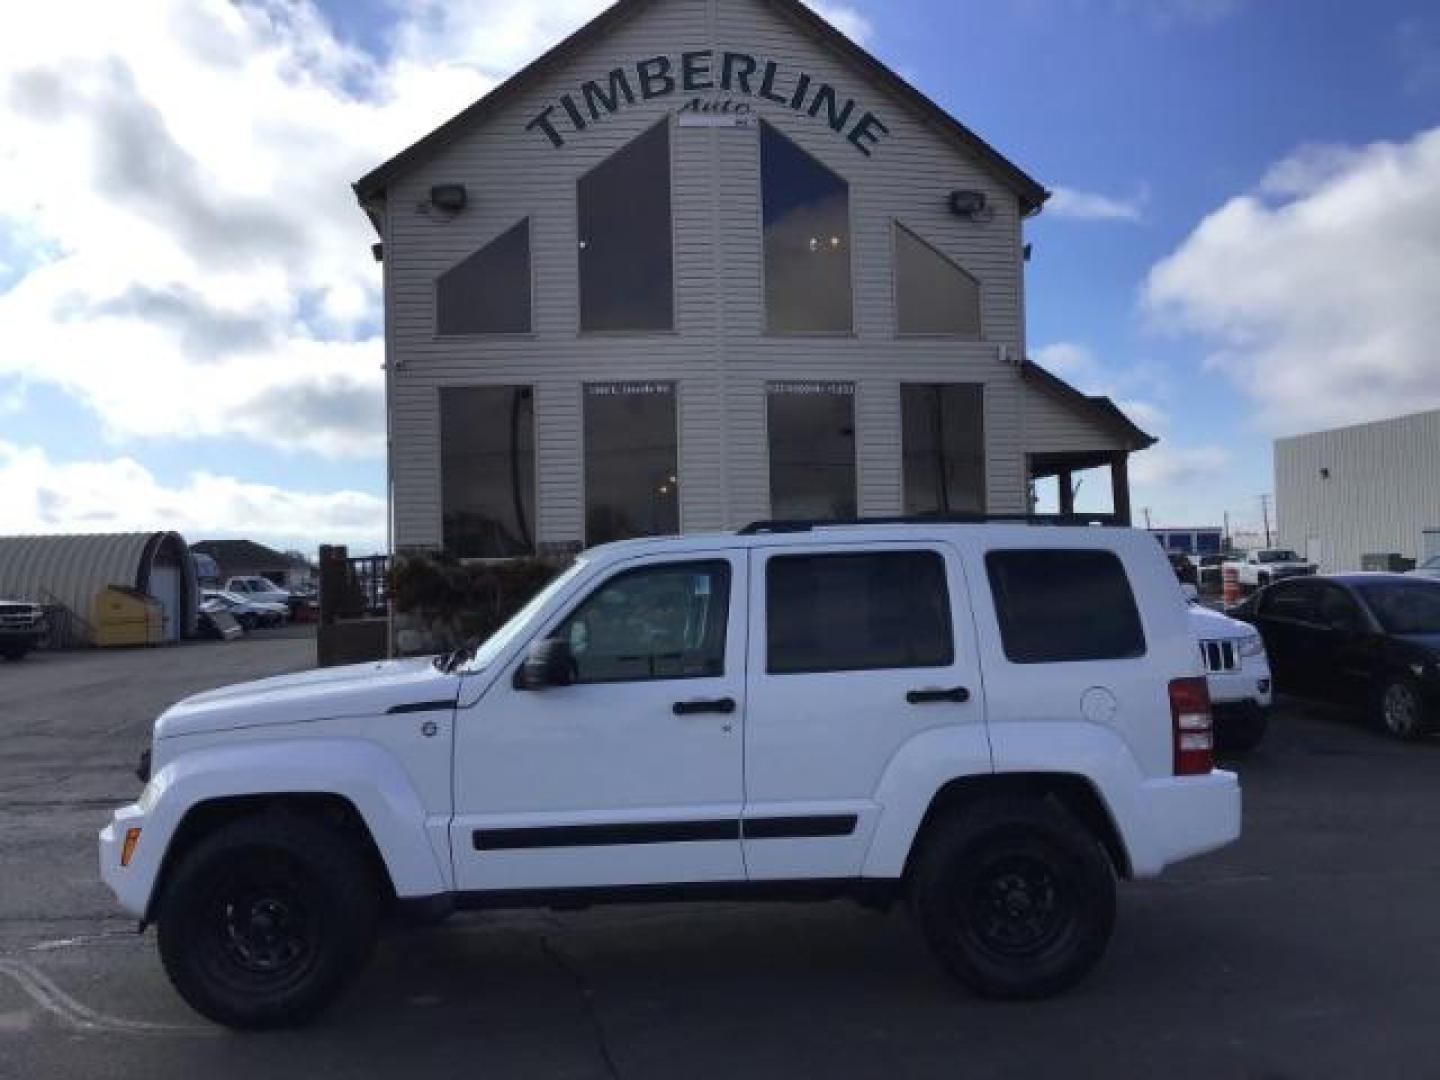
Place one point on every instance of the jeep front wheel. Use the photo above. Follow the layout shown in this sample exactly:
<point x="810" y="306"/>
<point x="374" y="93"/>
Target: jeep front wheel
<point x="1015" y="897"/>
<point x="266" y="920"/>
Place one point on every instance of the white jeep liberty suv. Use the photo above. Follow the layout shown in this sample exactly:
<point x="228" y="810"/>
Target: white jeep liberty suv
<point x="992" y="722"/>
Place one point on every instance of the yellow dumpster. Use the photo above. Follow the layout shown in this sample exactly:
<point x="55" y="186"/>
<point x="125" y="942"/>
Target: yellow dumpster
<point x="127" y="617"/>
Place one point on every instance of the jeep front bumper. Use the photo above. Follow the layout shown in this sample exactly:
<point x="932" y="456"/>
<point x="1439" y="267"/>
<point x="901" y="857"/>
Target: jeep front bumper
<point x="130" y="882"/>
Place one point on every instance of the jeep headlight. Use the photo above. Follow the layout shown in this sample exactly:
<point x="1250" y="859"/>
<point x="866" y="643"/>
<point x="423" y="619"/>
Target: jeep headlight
<point x="1252" y="646"/>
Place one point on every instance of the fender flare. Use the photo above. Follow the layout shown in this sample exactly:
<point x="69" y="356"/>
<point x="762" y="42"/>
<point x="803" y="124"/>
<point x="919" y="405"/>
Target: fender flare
<point x="925" y="765"/>
<point x="362" y="773"/>
<point x="913" y="776"/>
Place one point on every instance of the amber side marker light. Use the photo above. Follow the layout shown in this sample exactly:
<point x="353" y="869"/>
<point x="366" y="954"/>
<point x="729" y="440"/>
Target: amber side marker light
<point x="132" y="837"/>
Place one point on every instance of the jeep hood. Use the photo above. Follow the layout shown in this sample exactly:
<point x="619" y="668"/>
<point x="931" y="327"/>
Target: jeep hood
<point x="327" y="694"/>
<point x="1208" y="625"/>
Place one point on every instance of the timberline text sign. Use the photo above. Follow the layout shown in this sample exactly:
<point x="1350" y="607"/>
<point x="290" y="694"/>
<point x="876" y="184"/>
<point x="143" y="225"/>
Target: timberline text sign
<point x="707" y="72"/>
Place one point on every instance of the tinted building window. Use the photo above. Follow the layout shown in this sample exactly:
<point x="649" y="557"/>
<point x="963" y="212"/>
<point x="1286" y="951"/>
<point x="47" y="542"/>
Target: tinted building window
<point x="487" y="471"/>
<point x="812" y="451"/>
<point x="626" y="257"/>
<point x="665" y="622"/>
<point x="932" y="294"/>
<point x="631" y="474"/>
<point x="857" y="612"/>
<point x="807" y="240"/>
<point x="1062" y="606"/>
<point x="488" y="293"/>
<point x="944" y="447"/>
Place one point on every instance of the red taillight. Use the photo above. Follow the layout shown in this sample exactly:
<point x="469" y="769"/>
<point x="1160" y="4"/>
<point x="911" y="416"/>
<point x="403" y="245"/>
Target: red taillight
<point x="1194" y="727"/>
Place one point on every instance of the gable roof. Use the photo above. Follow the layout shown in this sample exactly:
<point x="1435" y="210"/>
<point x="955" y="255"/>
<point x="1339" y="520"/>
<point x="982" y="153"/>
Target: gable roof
<point x="1102" y="410"/>
<point x="236" y="555"/>
<point x="1031" y="194"/>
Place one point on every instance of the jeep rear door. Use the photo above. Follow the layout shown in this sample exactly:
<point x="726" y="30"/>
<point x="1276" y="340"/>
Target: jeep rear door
<point x="853" y="651"/>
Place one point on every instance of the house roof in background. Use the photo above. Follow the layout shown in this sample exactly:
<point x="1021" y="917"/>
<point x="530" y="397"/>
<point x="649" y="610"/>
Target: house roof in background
<point x="246" y="554"/>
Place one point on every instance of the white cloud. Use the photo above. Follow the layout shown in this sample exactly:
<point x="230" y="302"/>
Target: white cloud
<point x="120" y="495"/>
<point x="1321" y="292"/>
<point x="849" y="20"/>
<point x="1068" y="359"/>
<point x="1088" y="206"/>
<point x="181" y="250"/>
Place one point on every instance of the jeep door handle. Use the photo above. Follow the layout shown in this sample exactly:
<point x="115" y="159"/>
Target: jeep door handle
<point x="722" y="706"/>
<point x="957" y="696"/>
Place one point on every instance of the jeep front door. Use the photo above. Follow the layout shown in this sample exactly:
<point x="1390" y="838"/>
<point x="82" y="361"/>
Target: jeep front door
<point x="632" y="774"/>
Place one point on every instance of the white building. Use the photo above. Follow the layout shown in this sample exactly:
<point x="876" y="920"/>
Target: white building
<point x="1356" y="491"/>
<point x="704" y="263"/>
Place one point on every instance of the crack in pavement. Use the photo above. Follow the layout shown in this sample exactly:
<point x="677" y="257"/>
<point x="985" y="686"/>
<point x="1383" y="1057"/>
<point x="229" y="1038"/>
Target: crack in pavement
<point x="39" y="988"/>
<point x="587" y="996"/>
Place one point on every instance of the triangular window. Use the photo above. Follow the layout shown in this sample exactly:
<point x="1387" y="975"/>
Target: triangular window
<point x="488" y="293"/>
<point x="933" y="295"/>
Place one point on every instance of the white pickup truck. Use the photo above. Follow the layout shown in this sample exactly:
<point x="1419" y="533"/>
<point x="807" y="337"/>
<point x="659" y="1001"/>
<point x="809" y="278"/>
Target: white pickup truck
<point x="1260" y="568"/>
<point x="991" y="723"/>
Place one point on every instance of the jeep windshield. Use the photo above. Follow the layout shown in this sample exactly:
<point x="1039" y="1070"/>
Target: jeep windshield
<point x="1405" y="607"/>
<point x="1279" y="555"/>
<point x="478" y="655"/>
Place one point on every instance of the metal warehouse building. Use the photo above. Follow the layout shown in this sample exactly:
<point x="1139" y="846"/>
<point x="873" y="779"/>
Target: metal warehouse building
<point x="66" y="573"/>
<point x="708" y="262"/>
<point x="1356" y="491"/>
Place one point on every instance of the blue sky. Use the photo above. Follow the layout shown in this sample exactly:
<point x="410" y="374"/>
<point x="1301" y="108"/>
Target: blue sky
<point x="1226" y="170"/>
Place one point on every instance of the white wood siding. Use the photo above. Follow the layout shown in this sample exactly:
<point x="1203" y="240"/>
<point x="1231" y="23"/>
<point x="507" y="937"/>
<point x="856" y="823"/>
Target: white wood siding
<point x="719" y="356"/>
<point x="1381" y="496"/>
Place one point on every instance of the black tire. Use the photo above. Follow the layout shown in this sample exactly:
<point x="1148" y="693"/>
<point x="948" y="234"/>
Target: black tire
<point x="1241" y="734"/>
<point x="266" y="920"/>
<point x="1400" y="710"/>
<point x="1015" y="897"/>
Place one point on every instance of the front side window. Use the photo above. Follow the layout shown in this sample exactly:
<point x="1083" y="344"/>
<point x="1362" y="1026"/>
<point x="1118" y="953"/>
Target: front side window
<point x="944" y="448"/>
<point x="487" y="471"/>
<point x="1405" y="607"/>
<point x="488" y="293"/>
<point x="1058" y="607"/>
<point x="626" y="244"/>
<point x="663" y="622"/>
<point x="631" y="480"/>
<point x="870" y="612"/>
<point x="932" y="294"/>
<point x="812" y="451"/>
<point x="807" y="240"/>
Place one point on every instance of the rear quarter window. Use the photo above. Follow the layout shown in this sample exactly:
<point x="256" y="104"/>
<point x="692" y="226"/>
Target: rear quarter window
<point x="1057" y="607"/>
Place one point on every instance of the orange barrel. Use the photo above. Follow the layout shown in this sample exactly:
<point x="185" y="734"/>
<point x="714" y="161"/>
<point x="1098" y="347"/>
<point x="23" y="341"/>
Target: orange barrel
<point x="1230" y="575"/>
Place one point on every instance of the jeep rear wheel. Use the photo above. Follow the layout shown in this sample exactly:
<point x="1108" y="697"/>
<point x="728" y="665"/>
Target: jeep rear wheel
<point x="266" y="920"/>
<point x="1016" y="898"/>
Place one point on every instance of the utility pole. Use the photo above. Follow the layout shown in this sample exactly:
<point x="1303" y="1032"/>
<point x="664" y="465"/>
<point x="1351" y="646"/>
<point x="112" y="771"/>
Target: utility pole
<point x="1265" y="510"/>
<point x="1227" y="544"/>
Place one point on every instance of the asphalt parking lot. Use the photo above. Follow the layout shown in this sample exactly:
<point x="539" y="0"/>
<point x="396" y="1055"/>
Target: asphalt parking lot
<point x="1310" y="949"/>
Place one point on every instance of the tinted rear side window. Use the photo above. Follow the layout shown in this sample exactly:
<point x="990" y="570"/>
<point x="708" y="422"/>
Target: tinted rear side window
<point x="858" y="612"/>
<point x="1064" y="606"/>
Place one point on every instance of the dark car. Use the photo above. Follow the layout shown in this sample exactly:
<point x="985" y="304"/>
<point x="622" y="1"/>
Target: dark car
<point x="1371" y="640"/>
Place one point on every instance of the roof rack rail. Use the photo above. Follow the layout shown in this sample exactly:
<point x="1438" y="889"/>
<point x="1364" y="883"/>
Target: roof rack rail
<point x="775" y="528"/>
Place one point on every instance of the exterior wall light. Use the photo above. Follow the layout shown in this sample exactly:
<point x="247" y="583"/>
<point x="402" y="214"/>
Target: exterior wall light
<point x="451" y="198"/>
<point x="971" y="205"/>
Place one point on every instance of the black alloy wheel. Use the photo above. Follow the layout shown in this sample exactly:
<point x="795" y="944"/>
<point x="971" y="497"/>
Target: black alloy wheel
<point x="264" y="921"/>
<point x="1015" y="896"/>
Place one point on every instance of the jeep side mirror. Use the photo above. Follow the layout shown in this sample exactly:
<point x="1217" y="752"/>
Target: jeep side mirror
<point x="550" y="664"/>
